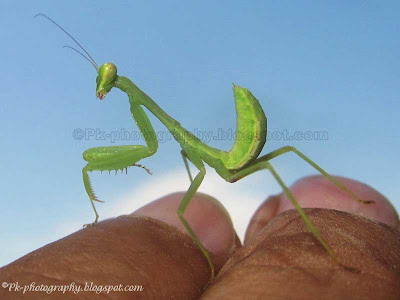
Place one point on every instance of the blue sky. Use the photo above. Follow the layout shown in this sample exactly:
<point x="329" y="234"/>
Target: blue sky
<point x="330" y="67"/>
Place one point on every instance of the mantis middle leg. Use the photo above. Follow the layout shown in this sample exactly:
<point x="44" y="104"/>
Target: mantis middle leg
<point x="185" y="161"/>
<point x="194" y="185"/>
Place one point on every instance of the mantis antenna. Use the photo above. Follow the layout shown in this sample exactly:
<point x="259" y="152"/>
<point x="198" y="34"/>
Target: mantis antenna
<point x="89" y="58"/>
<point x="83" y="55"/>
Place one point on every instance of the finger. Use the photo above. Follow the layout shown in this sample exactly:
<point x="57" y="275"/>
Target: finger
<point x="317" y="191"/>
<point x="285" y="261"/>
<point x="126" y="251"/>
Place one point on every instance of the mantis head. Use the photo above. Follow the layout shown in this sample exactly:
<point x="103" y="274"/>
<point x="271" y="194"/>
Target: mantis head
<point x="105" y="80"/>
<point x="107" y="73"/>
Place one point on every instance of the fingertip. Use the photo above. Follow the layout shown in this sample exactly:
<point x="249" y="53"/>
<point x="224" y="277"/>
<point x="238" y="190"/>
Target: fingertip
<point x="207" y="217"/>
<point x="318" y="192"/>
<point x="267" y="210"/>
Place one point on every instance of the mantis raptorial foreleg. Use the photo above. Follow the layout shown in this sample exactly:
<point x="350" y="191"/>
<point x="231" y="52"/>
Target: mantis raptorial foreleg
<point x="115" y="158"/>
<point x="111" y="158"/>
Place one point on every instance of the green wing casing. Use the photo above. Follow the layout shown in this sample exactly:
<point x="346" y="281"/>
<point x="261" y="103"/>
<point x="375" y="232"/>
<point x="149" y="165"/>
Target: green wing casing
<point x="251" y="130"/>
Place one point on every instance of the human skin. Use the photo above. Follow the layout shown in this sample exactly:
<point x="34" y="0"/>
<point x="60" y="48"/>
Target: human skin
<point x="280" y="258"/>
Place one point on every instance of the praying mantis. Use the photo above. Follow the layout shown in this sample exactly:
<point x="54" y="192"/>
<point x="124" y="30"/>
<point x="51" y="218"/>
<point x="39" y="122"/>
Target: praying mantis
<point x="242" y="160"/>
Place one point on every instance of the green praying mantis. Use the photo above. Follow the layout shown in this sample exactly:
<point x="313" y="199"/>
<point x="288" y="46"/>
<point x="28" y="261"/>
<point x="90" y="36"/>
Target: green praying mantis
<point x="242" y="160"/>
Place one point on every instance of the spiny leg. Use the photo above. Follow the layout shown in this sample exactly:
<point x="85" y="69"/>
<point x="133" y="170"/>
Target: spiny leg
<point x="340" y="185"/>
<point x="111" y="158"/>
<point x="90" y="192"/>
<point x="185" y="161"/>
<point x="196" y="160"/>
<point x="92" y="196"/>
<point x="141" y="166"/>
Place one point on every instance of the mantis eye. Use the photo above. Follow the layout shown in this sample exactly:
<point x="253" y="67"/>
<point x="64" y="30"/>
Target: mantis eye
<point x="107" y="72"/>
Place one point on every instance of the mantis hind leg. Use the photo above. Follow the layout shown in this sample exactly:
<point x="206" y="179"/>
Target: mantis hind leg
<point x="195" y="183"/>
<point x="263" y="163"/>
<point x="340" y="185"/>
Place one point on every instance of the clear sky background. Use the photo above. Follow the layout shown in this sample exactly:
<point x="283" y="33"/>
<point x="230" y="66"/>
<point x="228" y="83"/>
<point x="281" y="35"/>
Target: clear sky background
<point x="330" y="67"/>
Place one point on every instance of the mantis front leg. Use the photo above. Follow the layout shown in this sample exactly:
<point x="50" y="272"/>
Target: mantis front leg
<point x="114" y="158"/>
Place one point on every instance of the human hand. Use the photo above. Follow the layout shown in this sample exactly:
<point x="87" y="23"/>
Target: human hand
<point x="280" y="258"/>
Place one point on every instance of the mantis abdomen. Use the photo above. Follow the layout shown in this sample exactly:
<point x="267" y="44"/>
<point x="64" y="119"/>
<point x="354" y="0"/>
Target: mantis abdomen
<point x="251" y="130"/>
